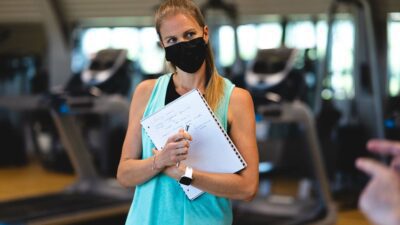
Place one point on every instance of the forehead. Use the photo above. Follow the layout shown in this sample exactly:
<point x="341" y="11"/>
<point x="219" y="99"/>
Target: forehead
<point x="176" y="24"/>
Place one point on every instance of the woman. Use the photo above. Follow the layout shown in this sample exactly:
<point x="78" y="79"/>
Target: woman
<point x="158" y="197"/>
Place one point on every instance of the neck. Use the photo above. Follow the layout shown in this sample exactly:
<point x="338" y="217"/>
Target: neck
<point x="185" y="82"/>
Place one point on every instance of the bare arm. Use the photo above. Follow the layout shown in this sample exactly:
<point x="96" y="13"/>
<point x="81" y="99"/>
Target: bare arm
<point x="244" y="184"/>
<point x="131" y="169"/>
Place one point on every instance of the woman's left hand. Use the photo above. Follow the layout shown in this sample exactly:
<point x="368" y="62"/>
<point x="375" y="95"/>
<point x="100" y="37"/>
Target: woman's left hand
<point x="174" y="171"/>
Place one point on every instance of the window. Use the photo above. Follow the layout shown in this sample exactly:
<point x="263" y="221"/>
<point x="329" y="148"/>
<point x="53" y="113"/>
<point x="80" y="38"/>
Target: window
<point x="253" y="37"/>
<point x="300" y="34"/>
<point x="151" y="56"/>
<point x="127" y="38"/>
<point x="141" y="44"/>
<point x="226" y="36"/>
<point x="247" y="35"/>
<point x="342" y="59"/>
<point x="269" y="35"/>
<point x="321" y="37"/>
<point x="394" y="54"/>
<point x="95" y="39"/>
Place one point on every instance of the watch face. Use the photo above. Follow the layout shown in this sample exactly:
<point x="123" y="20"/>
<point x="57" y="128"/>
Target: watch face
<point x="185" y="180"/>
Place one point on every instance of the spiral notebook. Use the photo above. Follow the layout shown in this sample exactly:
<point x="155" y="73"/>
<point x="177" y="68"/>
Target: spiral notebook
<point x="211" y="149"/>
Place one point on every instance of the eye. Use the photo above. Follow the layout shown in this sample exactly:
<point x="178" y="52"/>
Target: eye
<point x="190" y="35"/>
<point x="171" y="40"/>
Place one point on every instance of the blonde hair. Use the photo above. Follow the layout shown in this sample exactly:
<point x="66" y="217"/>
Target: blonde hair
<point x="215" y="85"/>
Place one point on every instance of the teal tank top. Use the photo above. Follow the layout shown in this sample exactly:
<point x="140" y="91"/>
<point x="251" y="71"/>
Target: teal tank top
<point x="161" y="200"/>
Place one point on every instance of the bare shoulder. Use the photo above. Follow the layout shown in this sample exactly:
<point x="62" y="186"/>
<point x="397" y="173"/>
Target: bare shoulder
<point x="241" y="105"/>
<point x="143" y="90"/>
<point x="240" y="97"/>
<point x="141" y="95"/>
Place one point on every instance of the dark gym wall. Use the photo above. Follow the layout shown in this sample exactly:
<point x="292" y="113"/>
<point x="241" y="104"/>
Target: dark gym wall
<point x="22" y="39"/>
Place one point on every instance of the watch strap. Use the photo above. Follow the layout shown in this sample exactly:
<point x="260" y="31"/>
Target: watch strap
<point x="188" y="172"/>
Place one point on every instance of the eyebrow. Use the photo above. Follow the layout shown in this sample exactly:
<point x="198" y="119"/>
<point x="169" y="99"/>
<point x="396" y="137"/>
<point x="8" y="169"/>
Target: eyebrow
<point x="185" y="32"/>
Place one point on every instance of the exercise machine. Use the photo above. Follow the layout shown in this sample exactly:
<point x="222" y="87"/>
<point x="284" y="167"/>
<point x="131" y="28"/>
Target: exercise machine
<point x="268" y="78"/>
<point x="97" y="92"/>
<point x="108" y="72"/>
<point x="91" y="196"/>
<point x="279" y="209"/>
<point x="355" y="127"/>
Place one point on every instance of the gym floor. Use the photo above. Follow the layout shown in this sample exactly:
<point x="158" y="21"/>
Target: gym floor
<point x="33" y="179"/>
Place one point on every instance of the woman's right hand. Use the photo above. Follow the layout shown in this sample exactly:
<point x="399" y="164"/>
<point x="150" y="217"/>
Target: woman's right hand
<point x="175" y="150"/>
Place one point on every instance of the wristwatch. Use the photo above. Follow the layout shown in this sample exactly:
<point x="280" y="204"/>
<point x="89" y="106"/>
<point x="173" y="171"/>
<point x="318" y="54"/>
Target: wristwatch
<point x="186" y="179"/>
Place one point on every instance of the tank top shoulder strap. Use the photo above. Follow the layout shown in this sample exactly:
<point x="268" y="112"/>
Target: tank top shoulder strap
<point x="157" y="97"/>
<point x="222" y="110"/>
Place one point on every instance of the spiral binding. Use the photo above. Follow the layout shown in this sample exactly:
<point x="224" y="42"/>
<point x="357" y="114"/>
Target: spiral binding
<point x="223" y="130"/>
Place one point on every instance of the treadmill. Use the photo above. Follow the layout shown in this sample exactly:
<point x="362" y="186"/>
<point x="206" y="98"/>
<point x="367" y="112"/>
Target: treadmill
<point x="276" y="209"/>
<point x="91" y="196"/>
<point x="270" y="78"/>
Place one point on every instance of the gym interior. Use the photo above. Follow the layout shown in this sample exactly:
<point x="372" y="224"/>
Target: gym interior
<point x="324" y="76"/>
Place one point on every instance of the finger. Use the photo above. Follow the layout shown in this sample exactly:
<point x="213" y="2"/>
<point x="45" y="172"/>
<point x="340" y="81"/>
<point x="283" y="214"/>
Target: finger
<point x="183" y="144"/>
<point x="177" y="153"/>
<point x="180" y="136"/>
<point x="384" y="146"/>
<point x="175" y="145"/>
<point x="182" y="151"/>
<point x="371" y="167"/>
<point x="187" y="135"/>
<point x="176" y="137"/>
<point x="181" y="157"/>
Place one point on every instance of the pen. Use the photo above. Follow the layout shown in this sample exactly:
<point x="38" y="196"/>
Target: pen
<point x="186" y="129"/>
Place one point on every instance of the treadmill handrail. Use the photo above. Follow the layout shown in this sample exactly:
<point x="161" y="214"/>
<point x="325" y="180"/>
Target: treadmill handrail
<point x="71" y="139"/>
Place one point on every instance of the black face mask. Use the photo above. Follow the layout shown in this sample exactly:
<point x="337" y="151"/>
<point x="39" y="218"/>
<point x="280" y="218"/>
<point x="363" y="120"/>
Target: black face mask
<point x="188" y="55"/>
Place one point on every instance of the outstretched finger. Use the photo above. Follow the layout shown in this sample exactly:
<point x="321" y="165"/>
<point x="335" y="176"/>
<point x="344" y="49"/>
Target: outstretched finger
<point x="371" y="167"/>
<point x="384" y="146"/>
